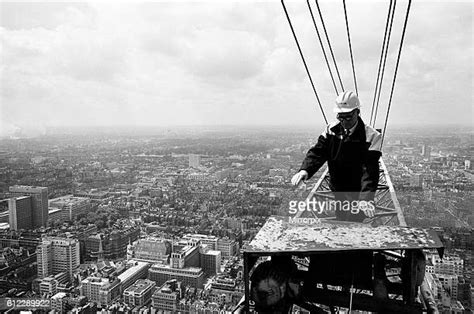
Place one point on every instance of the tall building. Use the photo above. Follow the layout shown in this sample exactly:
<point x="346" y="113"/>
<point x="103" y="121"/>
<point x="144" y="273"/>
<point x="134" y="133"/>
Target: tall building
<point x="450" y="283"/>
<point x="194" y="161"/>
<point x="187" y="256"/>
<point x="44" y="258"/>
<point x="426" y="151"/>
<point x="416" y="180"/>
<point x="39" y="202"/>
<point x="211" y="262"/>
<point x="449" y="265"/>
<point x="56" y="255"/>
<point x="19" y="212"/>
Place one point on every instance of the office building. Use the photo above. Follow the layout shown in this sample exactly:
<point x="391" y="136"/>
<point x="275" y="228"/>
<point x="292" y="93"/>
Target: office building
<point x="426" y="151"/>
<point x="135" y="270"/>
<point x="39" y="202"/>
<point x="228" y="247"/>
<point x="189" y="276"/>
<point x="59" y="302"/>
<point x="48" y="286"/>
<point x="44" y="258"/>
<point x="209" y="240"/>
<point x="102" y="291"/>
<point x="416" y="180"/>
<point x="211" y="262"/>
<point x="450" y="284"/>
<point x="70" y="206"/>
<point x="152" y="250"/>
<point x="56" y="255"/>
<point x="19" y="213"/>
<point x="194" y="161"/>
<point x="167" y="296"/>
<point x="186" y="256"/>
<point x="139" y="294"/>
<point x="449" y="265"/>
<point x="114" y="244"/>
<point x="224" y="290"/>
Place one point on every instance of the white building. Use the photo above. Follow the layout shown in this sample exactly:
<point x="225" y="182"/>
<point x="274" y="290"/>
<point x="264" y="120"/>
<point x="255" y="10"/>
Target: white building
<point x="449" y="265"/>
<point x="70" y="206"/>
<point x="56" y="255"/>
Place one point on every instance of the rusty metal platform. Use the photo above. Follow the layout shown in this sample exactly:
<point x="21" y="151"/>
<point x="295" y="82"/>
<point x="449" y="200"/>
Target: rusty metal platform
<point x="281" y="235"/>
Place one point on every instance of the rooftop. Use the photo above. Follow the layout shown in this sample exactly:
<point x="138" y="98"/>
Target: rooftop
<point x="140" y="286"/>
<point x="211" y="252"/>
<point x="27" y="188"/>
<point x="168" y="267"/>
<point x="132" y="270"/>
<point x="59" y="295"/>
<point x="66" y="200"/>
<point x="97" y="280"/>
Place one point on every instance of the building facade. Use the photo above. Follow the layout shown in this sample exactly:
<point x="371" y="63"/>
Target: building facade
<point x="194" y="161"/>
<point x="56" y="255"/>
<point x="211" y="262"/>
<point x="102" y="291"/>
<point x="139" y="294"/>
<point x="152" y="250"/>
<point x="19" y="213"/>
<point x="39" y="202"/>
<point x="167" y="297"/>
<point x="189" y="276"/>
<point x="70" y="206"/>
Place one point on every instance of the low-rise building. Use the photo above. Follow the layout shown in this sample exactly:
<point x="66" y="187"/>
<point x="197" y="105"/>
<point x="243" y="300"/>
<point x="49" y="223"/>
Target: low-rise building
<point x="167" y="296"/>
<point x="139" y="294"/>
<point x="135" y="270"/>
<point x="189" y="276"/>
<point x="59" y="302"/>
<point x="102" y="291"/>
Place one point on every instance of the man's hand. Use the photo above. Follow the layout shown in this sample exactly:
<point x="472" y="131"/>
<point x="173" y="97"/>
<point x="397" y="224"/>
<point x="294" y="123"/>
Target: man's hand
<point x="302" y="175"/>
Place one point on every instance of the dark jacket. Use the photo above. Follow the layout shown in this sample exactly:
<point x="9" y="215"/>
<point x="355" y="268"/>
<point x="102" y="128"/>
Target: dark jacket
<point x="353" y="161"/>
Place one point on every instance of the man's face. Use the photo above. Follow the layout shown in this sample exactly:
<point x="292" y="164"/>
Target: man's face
<point x="269" y="292"/>
<point x="348" y="119"/>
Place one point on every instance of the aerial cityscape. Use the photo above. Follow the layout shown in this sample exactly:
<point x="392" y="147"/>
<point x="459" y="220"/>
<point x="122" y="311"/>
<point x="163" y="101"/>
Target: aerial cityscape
<point x="236" y="157"/>
<point x="156" y="219"/>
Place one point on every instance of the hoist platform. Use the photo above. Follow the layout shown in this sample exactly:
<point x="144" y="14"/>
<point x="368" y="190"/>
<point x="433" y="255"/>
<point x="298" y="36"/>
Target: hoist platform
<point x="334" y="258"/>
<point x="375" y="266"/>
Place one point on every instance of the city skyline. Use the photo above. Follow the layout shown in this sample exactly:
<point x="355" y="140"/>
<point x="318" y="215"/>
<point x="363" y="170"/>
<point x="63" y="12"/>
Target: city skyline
<point x="195" y="63"/>
<point x="164" y="221"/>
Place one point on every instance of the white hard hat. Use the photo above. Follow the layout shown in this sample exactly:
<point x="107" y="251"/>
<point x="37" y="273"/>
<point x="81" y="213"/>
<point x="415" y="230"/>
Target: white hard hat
<point x="346" y="102"/>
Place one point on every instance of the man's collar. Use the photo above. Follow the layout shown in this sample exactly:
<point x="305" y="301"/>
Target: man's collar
<point x="338" y="129"/>
<point x="351" y="130"/>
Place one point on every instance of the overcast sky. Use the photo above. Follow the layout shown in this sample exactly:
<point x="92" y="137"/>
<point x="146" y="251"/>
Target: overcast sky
<point x="210" y="63"/>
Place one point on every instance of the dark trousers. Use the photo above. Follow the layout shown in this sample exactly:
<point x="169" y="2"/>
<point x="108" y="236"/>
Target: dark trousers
<point x="347" y="206"/>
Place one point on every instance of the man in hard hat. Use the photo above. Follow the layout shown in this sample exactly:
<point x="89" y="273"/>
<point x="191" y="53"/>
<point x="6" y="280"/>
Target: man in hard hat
<point x="352" y="150"/>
